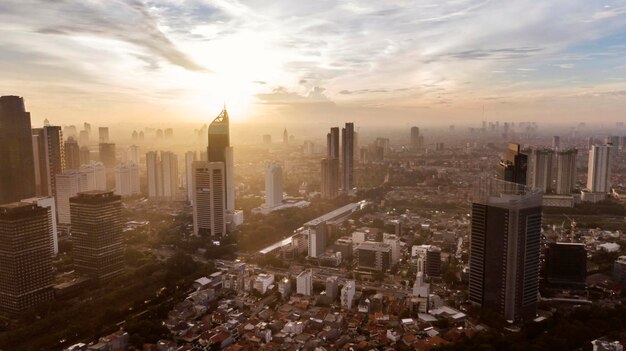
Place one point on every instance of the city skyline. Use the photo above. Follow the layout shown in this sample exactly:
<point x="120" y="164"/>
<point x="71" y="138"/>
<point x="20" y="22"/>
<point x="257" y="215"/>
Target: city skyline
<point x="562" y="60"/>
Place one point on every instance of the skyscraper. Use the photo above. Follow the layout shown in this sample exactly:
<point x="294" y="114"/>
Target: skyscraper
<point x="103" y="134"/>
<point x="72" y="154"/>
<point x="133" y="154"/>
<point x="209" y="203"/>
<point x="49" y="154"/>
<point x="17" y="167"/>
<point x="127" y="179"/>
<point x="285" y="137"/>
<point x="219" y="150"/>
<point x="97" y="234"/>
<point x="556" y="142"/>
<point x="69" y="183"/>
<point x="504" y="248"/>
<point x="415" y="135"/>
<point x="190" y="157"/>
<point x="95" y="176"/>
<point x="330" y="165"/>
<point x="48" y="202"/>
<point x="25" y="258"/>
<point x="566" y="171"/>
<point x="513" y="167"/>
<point x="347" y="164"/>
<point x="162" y="175"/>
<point x="107" y="155"/>
<point x="599" y="170"/>
<point x="153" y="165"/>
<point x="542" y="170"/>
<point x="273" y="185"/>
<point x="85" y="155"/>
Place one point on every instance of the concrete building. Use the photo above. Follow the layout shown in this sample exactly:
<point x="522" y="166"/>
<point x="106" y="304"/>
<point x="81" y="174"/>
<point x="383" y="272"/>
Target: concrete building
<point x="133" y="154"/>
<point x="162" y="173"/>
<point x="127" y="179"/>
<point x="26" y="277"/>
<point x="284" y="287"/>
<point x="332" y="287"/>
<point x="421" y="289"/>
<point x="394" y="243"/>
<point x="49" y="155"/>
<point x="433" y="262"/>
<point x="566" y="265"/>
<point x="209" y="202"/>
<point x="374" y="256"/>
<point x="347" y="294"/>
<point x="273" y="185"/>
<point x="304" y="283"/>
<point x="69" y="183"/>
<point x="330" y="165"/>
<point x="190" y="158"/>
<point x="347" y="157"/>
<point x="97" y="234"/>
<point x="95" y="176"/>
<point x="566" y="171"/>
<point x="599" y="174"/>
<point x="514" y="165"/>
<point x="49" y="203"/>
<point x="72" y="154"/>
<point x="262" y="282"/>
<point x="542" y="170"/>
<point x="103" y="134"/>
<point x="504" y="248"/>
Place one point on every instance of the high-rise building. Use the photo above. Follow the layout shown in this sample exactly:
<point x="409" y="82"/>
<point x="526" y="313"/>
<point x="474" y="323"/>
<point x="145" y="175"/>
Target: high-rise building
<point x="72" y="154"/>
<point x="304" y="283"/>
<point x="95" y="176"/>
<point x="162" y="175"/>
<point x="127" y="179"/>
<point x="49" y="154"/>
<point x="347" y="164"/>
<point x="97" y="234"/>
<point x="219" y="150"/>
<point x="332" y="143"/>
<point x="69" y="183"/>
<point x="599" y="170"/>
<point x="273" y="185"/>
<point x="504" y="248"/>
<point x="107" y="155"/>
<point x="26" y="277"/>
<point x="133" y="154"/>
<point x="415" y="134"/>
<point x="17" y="165"/>
<point x="433" y="262"/>
<point x="103" y="134"/>
<point x="373" y="256"/>
<point x="316" y="230"/>
<point x="285" y="137"/>
<point x="347" y="294"/>
<point x="85" y="155"/>
<point x="566" y="171"/>
<point x="190" y="158"/>
<point x="332" y="287"/>
<point x="330" y="177"/>
<point x="209" y="204"/>
<point x="394" y="242"/>
<point x="87" y="128"/>
<point x="83" y="137"/>
<point x="513" y="167"/>
<point x="542" y="170"/>
<point x="49" y="203"/>
<point x="556" y="142"/>
<point x="566" y="265"/>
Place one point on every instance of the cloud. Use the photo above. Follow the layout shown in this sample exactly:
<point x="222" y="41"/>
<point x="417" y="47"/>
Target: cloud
<point x="282" y="96"/>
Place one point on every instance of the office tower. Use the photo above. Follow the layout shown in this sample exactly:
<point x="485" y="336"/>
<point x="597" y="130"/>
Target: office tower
<point x="285" y="137"/>
<point x="330" y="177"/>
<point x="304" y="283"/>
<point x="49" y="154"/>
<point x="332" y="287"/>
<point x="599" y="170"/>
<point x="542" y="170"/>
<point x="69" y="183"/>
<point x="267" y="139"/>
<point x="127" y="179"/>
<point x="97" y="234"/>
<point x="566" y="171"/>
<point x="107" y="155"/>
<point x="332" y="143"/>
<point x="95" y="176"/>
<point x="415" y="134"/>
<point x="566" y="265"/>
<point x="513" y="167"/>
<point x="103" y="134"/>
<point x="394" y="243"/>
<point x="133" y="154"/>
<point x="87" y="128"/>
<point x="169" y="166"/>
<point x="373" y="256"/>
<point x="219" y="150"/>
<point x="162" y="175"/>
<point x="556" y="142"/>
<point x="273" y="185"/>
<point x="209" y="203"/>
<point x="347" y="294"/>
<point x="26" y="277"/>
<point x="85" y="155"/>
<point x="49" y="203"/>
<point x="17" y="165"/>
<point x="72" y="154"/>
<point x="316" y="230"/>
<point x="504" y="252"/>
<point x="347" y="161"/>
<point x="83" y="137"/>
<point x="190" y="158"/>
<point x="433" y="262"/>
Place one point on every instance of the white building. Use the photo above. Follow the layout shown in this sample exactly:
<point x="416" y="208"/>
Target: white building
<point x="162" y="175"/>
<point x="49" y="203"/>
<point x="127" y="179"/>
<point x="304" y="283"/>
<point x="394" y="242"/>
<point x="96" y="176"/>
<point x="263" y="281"/>
<point x="358" y="237"/>
<point x="598" y="174"/>
<point x="133" y="154"/>
<point x="69" y="183"/>
<point x="273" y="185"/>
<point x="421" y="290"/>
<point x="347" y="294"/>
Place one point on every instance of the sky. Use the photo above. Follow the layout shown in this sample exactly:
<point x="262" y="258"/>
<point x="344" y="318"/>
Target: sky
<point x="371" y="62"/>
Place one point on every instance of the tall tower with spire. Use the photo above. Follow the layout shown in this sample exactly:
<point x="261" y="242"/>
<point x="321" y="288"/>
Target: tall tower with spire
<point x="219" y="150"/>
